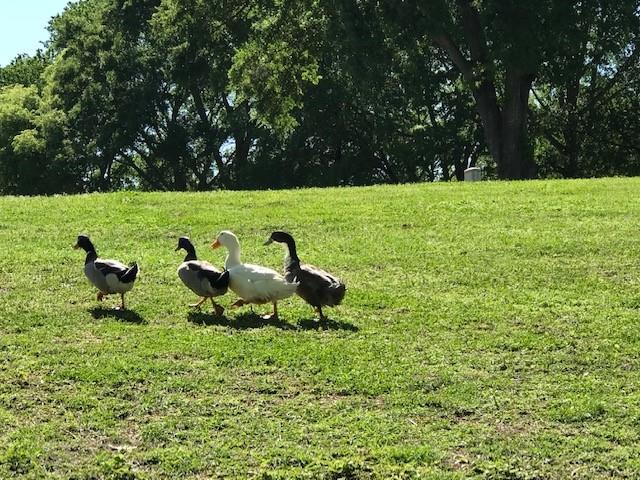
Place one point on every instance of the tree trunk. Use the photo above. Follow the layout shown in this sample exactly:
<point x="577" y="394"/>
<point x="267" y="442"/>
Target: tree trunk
<point x="444" y="166"/>
<point x="515" y="161"/>
<point x="104" y="183"/>
<point x="241" y="158"/>
<point x="211" y="146"/>
<point x="571" y="128"/>
<point x="491" y="120"/>
<point x="179" y="174"/>
<point x="459" y="170"/>
<point x="505" y="130"/>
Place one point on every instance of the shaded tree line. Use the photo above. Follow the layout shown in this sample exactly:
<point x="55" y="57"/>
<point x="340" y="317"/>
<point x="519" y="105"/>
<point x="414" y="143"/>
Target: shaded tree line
<point x="205" y="94"/>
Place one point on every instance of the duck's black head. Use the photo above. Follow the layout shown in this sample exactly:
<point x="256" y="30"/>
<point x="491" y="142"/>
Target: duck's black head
<point x="283" y="237"/>
<point x="280" y="237"/>
<point x="185" y="244"/>
<point x="85" y="244"/>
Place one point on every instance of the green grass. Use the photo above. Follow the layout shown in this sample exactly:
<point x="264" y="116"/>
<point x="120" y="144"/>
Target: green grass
<point x="489" y="330"/>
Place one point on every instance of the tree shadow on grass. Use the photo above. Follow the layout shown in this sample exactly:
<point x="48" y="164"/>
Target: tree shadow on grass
<point x="128" y="316"/>
<point x="242" y="321"/>
<point x="328" y="324"/>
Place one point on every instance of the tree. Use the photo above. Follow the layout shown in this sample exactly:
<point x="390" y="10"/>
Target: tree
<point x="382" y="110"/>
<point x="585" y="113"/>
<point x="500" y="48"/>
<point x="25" y="70"/>
<point x="148" y="87"/>
<point x="201" y="39"/>
<point x="109" y="84"/>
<point x="33" y="158"/>
<point x="201" y="94"/>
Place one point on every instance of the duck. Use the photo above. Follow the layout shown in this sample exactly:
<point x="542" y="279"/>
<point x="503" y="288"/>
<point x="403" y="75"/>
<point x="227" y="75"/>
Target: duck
<point x="315" y="286"/>
<point x="201" y="277"/>
<point x="254" y="284"/>
<point x="108" y="276"/>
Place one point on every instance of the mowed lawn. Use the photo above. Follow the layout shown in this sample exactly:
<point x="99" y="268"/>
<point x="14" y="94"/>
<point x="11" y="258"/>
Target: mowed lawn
<point x="489" y="330"/>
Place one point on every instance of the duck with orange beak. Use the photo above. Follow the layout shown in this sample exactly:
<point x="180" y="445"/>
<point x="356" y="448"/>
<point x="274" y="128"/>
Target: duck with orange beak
<point x="254" y="284"/>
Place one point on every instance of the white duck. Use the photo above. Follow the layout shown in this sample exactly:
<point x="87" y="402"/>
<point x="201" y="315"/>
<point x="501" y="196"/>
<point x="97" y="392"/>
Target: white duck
<point x="252" y="283"/>
<point x="108" y="276"/>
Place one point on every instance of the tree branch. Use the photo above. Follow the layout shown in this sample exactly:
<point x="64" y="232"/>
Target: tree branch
<point x="473" y="32"/>
<point x="155" y="183"/>
<point x="595" y="98"/>
<point x="445" y="42"/>
<point x="204" y="118"/>
<point x="150" y="166"/>
<point x="540" y="100"/>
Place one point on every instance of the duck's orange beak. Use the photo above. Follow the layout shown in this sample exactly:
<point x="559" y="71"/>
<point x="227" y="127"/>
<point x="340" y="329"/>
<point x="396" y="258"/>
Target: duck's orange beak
<point x="215" y="244"/>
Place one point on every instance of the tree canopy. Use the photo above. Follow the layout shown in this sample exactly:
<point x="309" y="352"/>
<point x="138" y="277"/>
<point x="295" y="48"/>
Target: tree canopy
<point x="197" y="95"/>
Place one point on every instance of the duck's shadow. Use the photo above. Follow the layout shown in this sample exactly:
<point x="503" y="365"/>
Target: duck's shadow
<point x="327" y="324"/>
<point x="249" y="320"/>
<point x="242" y="321"/>
<point x="128" y="316"/>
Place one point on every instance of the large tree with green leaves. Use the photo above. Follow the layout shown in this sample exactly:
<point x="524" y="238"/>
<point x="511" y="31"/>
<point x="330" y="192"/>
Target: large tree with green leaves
<point x="585" y="108"/>
<point x="34" y="158"/>
<point x="500" y="47"/>
<point x="157" y="88"/>
<point x="383" y="110"/>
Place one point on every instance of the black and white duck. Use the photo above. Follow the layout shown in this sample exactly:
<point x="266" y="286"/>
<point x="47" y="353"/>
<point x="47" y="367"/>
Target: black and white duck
<point x="201" y="277"/>
<point x="108" y="276"/>
<point x="316" y="286"/>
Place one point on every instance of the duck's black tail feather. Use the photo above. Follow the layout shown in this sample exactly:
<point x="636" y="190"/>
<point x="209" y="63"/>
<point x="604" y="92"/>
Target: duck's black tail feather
<point x="223" y="280"/>
<point x="337" y="293"/>
<point x="218" y="280"/>
<point x="131" y="274"/>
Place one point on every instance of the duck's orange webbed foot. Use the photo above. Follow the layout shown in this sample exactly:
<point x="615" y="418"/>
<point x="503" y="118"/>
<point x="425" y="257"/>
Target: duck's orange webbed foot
<point x="273" y="315"/>
<point x="197" y="305"/>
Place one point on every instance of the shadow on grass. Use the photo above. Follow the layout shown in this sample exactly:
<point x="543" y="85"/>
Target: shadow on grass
<point x="249" y="320"/>
<point x="128" y="316"/>
<point x="328" y="324"/>
<point x="243" y="321"/>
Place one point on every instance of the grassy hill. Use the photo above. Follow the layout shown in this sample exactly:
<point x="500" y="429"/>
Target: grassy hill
<point x="489" y="330"/>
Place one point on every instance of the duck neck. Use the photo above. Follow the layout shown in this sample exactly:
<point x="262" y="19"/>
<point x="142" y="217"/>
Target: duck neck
<point x="233" y="257"/>
<point x="91" y="256"/>
<point x="191" y="254"/>
<point x="291" y="255"/>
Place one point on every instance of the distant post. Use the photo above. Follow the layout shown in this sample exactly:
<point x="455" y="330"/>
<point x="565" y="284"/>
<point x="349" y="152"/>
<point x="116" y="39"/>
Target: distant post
<point x="473" y="174"/>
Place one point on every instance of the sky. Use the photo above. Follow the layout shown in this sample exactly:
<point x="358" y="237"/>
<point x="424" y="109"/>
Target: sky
<point x="23" y="25"/>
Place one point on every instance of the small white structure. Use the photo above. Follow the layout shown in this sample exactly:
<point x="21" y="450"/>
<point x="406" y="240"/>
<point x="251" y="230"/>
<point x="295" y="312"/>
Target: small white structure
<point x="473" y="174"/>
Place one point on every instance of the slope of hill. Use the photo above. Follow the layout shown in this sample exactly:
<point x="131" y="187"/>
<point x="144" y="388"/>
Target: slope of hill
<point x="488" y="330"/>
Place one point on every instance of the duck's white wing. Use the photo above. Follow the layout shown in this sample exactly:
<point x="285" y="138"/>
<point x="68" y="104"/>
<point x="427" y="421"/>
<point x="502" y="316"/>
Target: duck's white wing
<point x="255" y="283"/>
<point x="258" y="272"/>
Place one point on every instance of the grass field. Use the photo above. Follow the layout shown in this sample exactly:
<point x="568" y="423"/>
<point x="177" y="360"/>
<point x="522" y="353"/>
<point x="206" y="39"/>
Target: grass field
<point x="489" y="330"/>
